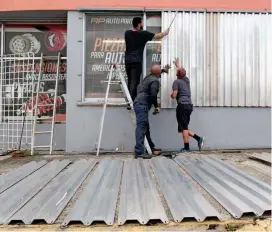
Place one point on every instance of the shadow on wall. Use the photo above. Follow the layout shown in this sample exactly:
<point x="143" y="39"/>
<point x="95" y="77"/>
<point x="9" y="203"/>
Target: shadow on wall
<point x="223" y="128"/>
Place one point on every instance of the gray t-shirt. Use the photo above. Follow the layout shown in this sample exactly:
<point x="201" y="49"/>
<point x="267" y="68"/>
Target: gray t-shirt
<point x="184" y="91"/>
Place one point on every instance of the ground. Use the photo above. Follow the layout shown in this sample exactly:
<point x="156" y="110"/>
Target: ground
<point x="238" y="158"/>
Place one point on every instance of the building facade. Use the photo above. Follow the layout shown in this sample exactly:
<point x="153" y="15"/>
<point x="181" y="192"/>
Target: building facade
<point x="224" y="46"/>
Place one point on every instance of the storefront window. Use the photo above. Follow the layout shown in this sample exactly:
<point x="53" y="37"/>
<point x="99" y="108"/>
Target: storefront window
<point x="20" y="41"/>
<point x="153" y="48"/>
<point x="0" y="39"/>
<point x="105" y="45"/>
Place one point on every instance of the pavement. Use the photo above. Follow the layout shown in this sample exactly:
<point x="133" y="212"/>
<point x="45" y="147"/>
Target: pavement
<point x="238" y="158"/>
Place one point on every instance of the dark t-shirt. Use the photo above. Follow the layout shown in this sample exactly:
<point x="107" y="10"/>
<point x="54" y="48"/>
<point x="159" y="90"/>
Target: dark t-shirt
<point x="184" y="91"/>
<point x="135" y="43"/>
<point x="147" y="91"/>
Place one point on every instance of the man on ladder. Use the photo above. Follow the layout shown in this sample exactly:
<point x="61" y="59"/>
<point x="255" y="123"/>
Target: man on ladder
<point x="136" y="39"/>
<point x="146" y="97"/>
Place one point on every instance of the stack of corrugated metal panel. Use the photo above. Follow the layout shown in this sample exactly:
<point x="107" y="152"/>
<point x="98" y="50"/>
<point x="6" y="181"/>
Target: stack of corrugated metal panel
<point x="235" y="190"/>
<point x="120" y="191"/>
<point x="263" y="157"/>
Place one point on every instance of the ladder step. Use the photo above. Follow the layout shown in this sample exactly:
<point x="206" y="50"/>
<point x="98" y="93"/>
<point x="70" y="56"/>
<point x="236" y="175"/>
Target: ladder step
<point x="42" y="132"/>
<point x="49" y="80"/>
<point x="47" y="105"/>
<point x="42" y="146"/>
<point x="116" y="104"/>
<point x="43" y="92"/>
<point x="49" y="118"/>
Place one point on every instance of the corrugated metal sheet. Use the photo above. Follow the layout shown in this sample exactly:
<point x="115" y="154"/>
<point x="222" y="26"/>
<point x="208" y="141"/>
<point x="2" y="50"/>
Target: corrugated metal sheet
<point x="227" y="57"/>
<point x="15" y="197"/>
<point x="49" y="203"/>
<point x="265" y="157"/>
<point x="235" y="190"/>
<point x="99" y="198"/>
<point x="13" y="177"/>
<point x="183" y="199"/>
<point x="139" y="197"/>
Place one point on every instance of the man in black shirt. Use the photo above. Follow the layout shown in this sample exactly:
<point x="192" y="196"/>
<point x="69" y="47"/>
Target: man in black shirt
<point x="146" y="97"/>
<point x="136" y="40"/>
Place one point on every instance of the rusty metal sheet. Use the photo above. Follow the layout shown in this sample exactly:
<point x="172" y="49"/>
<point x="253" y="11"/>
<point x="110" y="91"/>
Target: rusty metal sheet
<point x="49" y="203"/>
<point x="183" y="199"/>
<point x="99" y="197"/>
<point x="234" y="189"/>
<point x="139" y="196"/>
<point x="15" y="197"/>
<point x="264" y="157"/>
<point x="13" y="177"/>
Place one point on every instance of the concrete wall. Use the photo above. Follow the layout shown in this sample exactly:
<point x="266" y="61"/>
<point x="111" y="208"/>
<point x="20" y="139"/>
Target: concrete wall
<point x="43" y="139"/>
<point x="224" y="128"/>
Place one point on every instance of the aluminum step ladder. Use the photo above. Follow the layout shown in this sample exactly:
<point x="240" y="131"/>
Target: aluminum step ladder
<point x="54" y="104"/>
<point x="128" y="99"/>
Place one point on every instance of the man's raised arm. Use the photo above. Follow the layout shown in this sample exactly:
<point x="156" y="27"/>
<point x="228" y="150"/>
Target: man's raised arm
<point x="177" y="63"/>
<point x="161" y="34"/>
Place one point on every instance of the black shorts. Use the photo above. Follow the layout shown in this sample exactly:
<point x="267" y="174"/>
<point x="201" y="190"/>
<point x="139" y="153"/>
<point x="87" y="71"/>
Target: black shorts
<point x="183" y="113"/>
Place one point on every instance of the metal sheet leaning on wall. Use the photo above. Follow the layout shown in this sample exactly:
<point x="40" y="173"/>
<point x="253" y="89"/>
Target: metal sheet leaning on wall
<point x="226" y="55"/>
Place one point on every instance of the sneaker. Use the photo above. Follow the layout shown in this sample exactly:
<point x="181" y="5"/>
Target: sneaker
<point x="155" y="151"/>
<point x="200" y="143"/>
<point x="143" y="156"/>
<point x="185" y="151"/>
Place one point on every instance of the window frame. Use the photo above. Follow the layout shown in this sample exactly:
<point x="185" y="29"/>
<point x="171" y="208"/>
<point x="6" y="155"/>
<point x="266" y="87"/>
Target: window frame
<point x="84" y="41"/>
<point x="1" y="68"/>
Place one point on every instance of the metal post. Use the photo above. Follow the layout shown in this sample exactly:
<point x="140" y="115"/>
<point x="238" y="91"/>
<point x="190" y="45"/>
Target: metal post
<point x="205" y="60"/>
<point x="83" y="57"/>
<point x="22" y="131"/>
<point x="144" y="58"/>
<point x="104" y="111"/>
<point x="1" y="86"/>
<point x="33" y="79"/>
<point x="2" y="70"/>
<point x="55" y="104"/>
<point x="36" y="106"/>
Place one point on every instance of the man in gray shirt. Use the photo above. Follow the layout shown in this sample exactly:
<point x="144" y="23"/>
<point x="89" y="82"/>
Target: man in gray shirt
<point x="147" y="93"/>
<point x="182" y="93"/>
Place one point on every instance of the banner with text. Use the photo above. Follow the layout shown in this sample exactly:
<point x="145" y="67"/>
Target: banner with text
<point x="21" y="76"/>
<point x="105" y="45"/>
